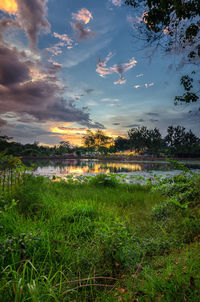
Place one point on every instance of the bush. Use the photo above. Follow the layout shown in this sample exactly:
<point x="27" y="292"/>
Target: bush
<point x="162" y="211"/>
<point x="103" y="180"/>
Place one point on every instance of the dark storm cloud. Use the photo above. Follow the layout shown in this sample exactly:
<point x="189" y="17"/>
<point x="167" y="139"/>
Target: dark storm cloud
<point x="37" y="98"/>
<point x="132" y="126"/>
<point x="152" y="114"/>
<point x="12" y="71"/>
<point x="83" y="32"/>
<point x="31" y="16"/>
<point x="26" y="131"/>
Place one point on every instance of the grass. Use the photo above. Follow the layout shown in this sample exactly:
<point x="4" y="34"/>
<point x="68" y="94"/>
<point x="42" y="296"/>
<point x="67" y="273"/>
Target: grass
<point x="90" y="242"/>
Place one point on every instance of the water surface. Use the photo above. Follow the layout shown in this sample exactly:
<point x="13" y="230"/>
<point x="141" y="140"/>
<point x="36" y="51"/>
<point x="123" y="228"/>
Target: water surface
<point x="85" y="167"/>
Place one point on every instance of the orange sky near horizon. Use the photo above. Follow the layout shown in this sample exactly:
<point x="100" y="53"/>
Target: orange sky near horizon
<point x="75" y="135"/>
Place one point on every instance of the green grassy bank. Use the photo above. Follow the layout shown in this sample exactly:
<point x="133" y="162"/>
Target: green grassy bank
<point x="100" y="241"/>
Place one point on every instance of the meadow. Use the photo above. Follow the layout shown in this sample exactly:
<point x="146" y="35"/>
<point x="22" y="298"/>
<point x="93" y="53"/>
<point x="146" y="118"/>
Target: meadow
<point x="100" y="240"/>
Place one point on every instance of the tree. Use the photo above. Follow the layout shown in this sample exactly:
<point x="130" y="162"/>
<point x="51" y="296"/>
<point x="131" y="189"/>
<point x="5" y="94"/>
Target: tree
<point x="154" y="141"/>
<point x="180" y="142"/>
<point x="64" y="147"/>
<point x="138" y="138"/>
<point x="96" y="141"/>
<point x="121" y="144"/>
<point x="141" y="138"/>
<point x="175" y="26"/>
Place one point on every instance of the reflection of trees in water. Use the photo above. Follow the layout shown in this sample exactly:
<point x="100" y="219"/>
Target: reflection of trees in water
<point x="88" y="166"/>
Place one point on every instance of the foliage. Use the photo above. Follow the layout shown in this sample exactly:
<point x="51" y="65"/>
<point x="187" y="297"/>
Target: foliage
<point x="84" y="242"/>
<point x="103" y="180"/>
<point x="96" y="140"/>
<point x="181" y="142"/>
<point x="181" y="190"/>
<point x="138" y="138"/>
<point x="121" y="144"/>
<point x="142" y="138"/>
<point x="177" y="142"/>
<point x="174" y="26"/>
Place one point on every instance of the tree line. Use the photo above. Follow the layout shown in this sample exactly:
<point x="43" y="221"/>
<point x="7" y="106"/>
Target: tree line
<point x="178" y="143"/>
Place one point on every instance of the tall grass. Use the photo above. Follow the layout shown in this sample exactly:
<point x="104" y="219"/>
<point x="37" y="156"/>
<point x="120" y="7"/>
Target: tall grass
<point x="87" y="242"/>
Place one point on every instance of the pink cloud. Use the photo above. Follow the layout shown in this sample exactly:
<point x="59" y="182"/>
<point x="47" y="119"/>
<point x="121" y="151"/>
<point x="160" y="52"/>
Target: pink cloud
<point x="120" y="81"/>
<point x="83" y="32"/>
<point x="103" y="70"/>
<point x="83" y="15"/>
<point x="63" y="38"/>
<point x="117" y="2"/>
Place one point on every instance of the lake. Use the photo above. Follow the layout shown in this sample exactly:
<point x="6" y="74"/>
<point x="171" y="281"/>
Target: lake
<point x="88" y="167"/>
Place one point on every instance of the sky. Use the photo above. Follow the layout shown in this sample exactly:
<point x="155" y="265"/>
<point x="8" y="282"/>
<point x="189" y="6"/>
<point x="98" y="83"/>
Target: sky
<point x="68" y="66"/>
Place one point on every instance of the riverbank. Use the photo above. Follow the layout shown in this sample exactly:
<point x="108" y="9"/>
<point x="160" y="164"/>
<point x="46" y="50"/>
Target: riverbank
<point x="100" y="241"/>
<point x="112" y="158"/>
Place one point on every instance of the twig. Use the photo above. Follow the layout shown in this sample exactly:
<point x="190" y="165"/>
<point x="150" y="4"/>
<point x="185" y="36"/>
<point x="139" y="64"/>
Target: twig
<point x="86" y="279"/>
<point x="86" y="285"/>
<point x="111" y="289"/>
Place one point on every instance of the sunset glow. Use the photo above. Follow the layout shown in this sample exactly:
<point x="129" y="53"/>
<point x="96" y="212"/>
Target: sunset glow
<point x="71" y="67"/>
<point x="8" y="6"/>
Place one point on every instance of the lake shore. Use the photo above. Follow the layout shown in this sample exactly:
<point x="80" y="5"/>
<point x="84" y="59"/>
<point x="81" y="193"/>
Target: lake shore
<point x="127" y="159"/>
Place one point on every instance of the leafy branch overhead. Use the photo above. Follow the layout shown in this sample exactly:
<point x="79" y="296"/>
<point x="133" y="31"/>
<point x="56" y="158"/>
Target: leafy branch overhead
<point x="175" y="26"/>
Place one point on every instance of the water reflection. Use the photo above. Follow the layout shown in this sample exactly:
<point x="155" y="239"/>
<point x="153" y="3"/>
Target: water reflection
<point x="73" y="166"/>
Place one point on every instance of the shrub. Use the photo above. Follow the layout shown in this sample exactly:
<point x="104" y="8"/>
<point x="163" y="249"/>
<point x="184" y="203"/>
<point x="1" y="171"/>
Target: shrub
<point x="103" y="180"/>
<point x="162" y="211"/>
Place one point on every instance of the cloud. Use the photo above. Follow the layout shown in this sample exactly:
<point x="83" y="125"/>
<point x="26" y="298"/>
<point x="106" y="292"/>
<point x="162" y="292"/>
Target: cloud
<point x="30" y="89"/>
<point x="64" y="38"/>
<point x="115" y="124"/>
<point x="149" y="85"/>
<point x="31" y="16"/>
<point x="56" y="49"/>
<point x="152" y="113"/>
<point x="92" y="103"/>
<point x="80" y="55"/>
<point x="139" y="75"/>
<point x="117" y="2"/>
<point x="141" y="120"/>
<point x="120" y="81"/>
<point x="110" y="100"/>
<point x="103" y="70"/>
<point x="132" y="126"/>
<point x="121" y="68"/>
<point x="83" y="31"/>
<point x="5" y="24"/>
<point x="113" y="105"/>
<point x="2" y="122"/>
<point x="88" y="90"/>
<point x="153" y="121"/>
<point x="9" y="6"/>
<point x="83" y="15"/>
<point x="72" y="129"/>
<point x="12" y="71"/>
